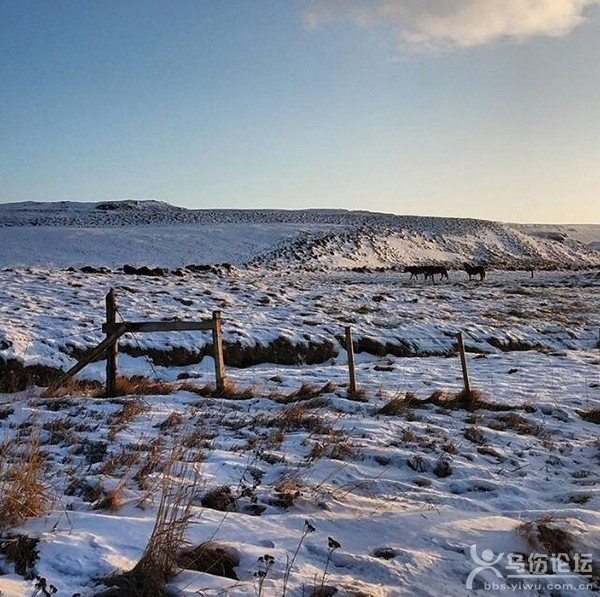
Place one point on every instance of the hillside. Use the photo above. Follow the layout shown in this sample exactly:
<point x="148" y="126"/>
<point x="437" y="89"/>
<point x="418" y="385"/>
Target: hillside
<point x="111" y="234"/>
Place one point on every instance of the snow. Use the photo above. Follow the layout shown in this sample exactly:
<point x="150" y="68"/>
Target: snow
<point x="149" y="232"/>
<point x="362" y="478"/>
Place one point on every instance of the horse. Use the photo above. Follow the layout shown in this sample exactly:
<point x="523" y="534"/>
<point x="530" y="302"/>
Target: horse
<point x="415" y="271"/>
<point x="436" y="269"/>
<point x="474" y="270"/>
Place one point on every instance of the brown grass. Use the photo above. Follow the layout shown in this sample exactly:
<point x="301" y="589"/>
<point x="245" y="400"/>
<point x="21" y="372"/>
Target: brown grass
<point x="211" y="557"/>
<point x="358" y="395"/>
<point x="158" y="563"/>
<point x="462" y="400"/>
<point x="220" y="498"/>
<point x="591" y="416"/>
<point x="337" y="447"/>
<point x="230" y="390"/>
<point x="548" y="535"/>
<point x="112" y="500"/>
<point x="142" y="386"/>
<point x="22" y="493"/>
<point x="306" y="391"/>
<point x="297" y="417"/>
<point x="475" y="435"/>
<point x="516" y="423"/>
<point x="173" y="420"/>
<point x="150" y="464"/>
<point x="286" y="490"/>
<point x="122" y="418"/>
<point x="73" y="387"/>
<point x="60" y="431"/>
<point x="21" y="551"/>
<point x="116" y="463"/>
<point x="399" y="405"/>
<point x="137" y="385"/>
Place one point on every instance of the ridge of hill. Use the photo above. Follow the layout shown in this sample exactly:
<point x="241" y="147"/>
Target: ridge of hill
<point x="111" y="234"/>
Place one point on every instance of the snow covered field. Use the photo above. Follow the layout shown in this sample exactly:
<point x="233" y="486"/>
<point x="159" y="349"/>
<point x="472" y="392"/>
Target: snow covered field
<point x="404" y="494"/>
<point x="298" y="487"/>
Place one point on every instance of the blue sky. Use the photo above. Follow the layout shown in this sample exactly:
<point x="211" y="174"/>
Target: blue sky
<point x="481" y="108"/>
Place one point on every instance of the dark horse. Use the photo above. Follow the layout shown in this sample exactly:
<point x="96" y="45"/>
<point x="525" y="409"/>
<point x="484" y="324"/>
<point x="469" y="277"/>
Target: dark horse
<point x="415" y="271"/>
<point x="436" y="269"/>
<point x="474" y="270"/>
<point x="427" y="271"/>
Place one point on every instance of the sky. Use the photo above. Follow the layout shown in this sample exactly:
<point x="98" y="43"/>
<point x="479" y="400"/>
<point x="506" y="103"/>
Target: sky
<point x="470" y="108"/>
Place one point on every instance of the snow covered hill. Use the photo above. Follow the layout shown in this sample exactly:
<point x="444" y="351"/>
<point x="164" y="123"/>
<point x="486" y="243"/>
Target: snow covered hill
<point x="111" y="234"/>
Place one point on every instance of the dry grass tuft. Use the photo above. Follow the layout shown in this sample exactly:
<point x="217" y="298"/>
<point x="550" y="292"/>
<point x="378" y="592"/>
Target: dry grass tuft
<point x="158" y="563"/>
<point x="22" y="493"/>
<point x="516" y="423"/>
<point x="211" y="557"/>
<point x="21" y="551"/>
<point x="475" y="435"/>
<point x="230" y="390"/>
<point x="336" y="447"/>
<point x="60" y="431"/>
<point x="173" y="420"/>
<point x="399" y="405"/>
<point x="287" y="491"/>
<point x="591" y="416"/>
<point x="220" y="498"/>
<point x="149" y="465"/>
<point x="307" y="391"/>
<point x="73" y="387"/>
<point x="125" y="386"/>
<point x="142" y="386"/>
<point x="474" y="400"/>
<point x="122" y="418"/>
<point x="115" y="464"/>
<point x="296" y="418"/>
<point x="206" y="389"/>
<point x="111" y="500"/>
<point x="549" y="535"/>
<point x="358" y="395"/>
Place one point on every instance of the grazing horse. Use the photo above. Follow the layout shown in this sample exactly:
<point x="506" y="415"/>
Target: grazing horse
<point x="436" y="269"/>
<point x="474" y="270"/>
<point x="415" y="271"/>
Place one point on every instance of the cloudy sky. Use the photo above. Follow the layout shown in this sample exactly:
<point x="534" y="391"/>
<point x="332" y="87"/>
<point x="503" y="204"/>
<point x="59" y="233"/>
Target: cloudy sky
<point x="481" y="108"/>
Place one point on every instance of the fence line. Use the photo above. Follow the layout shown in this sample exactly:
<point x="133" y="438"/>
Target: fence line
<point x="113" y="331"/>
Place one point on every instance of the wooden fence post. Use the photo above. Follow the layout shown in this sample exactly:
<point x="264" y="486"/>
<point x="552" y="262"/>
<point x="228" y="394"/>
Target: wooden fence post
<point x="463" y="362"/>
<point x="351" y="368"/>
<point x="218" y="351"/>
<point x="113" y="349"/>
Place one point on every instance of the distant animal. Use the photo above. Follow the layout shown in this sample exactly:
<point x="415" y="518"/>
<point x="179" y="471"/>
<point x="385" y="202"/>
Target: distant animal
<point x="475" y="270"/>
<point x="415" y="271"/>
<point x="431" y="270"/>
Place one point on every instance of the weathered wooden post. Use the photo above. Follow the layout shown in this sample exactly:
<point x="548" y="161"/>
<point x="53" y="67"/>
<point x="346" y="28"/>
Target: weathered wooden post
<point x="112" y="351"/>
<point x="463" y="362"/>
<point x="218" y="351"/>
<point x="351" y="367"/>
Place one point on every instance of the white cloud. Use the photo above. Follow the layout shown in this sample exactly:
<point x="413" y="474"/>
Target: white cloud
<point x="439" y="24"/>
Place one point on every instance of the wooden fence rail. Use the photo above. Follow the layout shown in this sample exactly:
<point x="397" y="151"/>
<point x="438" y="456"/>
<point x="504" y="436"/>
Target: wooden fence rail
<point x="114" y="330"/>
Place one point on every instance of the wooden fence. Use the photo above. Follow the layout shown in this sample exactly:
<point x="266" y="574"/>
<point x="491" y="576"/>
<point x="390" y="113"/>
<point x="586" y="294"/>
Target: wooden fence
<point x="114" y="330"/>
